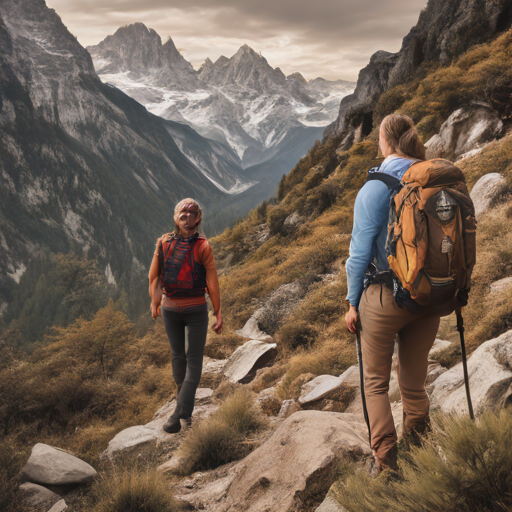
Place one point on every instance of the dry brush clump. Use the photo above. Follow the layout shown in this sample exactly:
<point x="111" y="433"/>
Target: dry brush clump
<point x="133" y="490"/>
<point x="224" y="436"/>
<point x="461" y="466"/>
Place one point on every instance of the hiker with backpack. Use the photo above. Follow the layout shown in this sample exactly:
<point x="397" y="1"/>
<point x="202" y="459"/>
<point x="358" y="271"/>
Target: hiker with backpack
<point x="411" y="256"/>
<point x="182" y="270"/>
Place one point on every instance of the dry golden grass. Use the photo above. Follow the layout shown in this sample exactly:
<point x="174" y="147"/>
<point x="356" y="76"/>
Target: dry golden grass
<point x="462" y="466"/>
<point x="223" y="437"/>
<point x="132" y="490"/>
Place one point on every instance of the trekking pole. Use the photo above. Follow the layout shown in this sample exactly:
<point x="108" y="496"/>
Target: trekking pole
<point x="361" y="378"/>
<point x="460" y="328"/>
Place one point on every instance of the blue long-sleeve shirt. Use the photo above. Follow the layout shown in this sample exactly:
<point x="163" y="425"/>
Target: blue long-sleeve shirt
<point x="369" y="231"/>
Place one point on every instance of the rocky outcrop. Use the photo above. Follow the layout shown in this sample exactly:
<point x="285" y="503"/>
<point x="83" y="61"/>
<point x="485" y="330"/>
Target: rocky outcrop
<point x="245" y="360"/>
<point x="465" y="130"/>
<point x="311" y="442"/>
<point x="276" y="308"/>
<point x="52" y="466"/>
<point x="487" y="191"/>
<point x="355" y="119"/>
<point x="292" y="222"/>
<point x="444" y="31"/>
<point x="490" y="380"/>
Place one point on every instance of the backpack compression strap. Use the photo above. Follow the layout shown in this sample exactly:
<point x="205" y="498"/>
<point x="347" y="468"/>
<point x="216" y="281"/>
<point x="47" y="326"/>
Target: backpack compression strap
<point x="390" y="181"/>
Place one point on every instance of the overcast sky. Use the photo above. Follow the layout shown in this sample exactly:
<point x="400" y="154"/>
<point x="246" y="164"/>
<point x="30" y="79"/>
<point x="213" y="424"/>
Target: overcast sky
<point x="328" y="38"/>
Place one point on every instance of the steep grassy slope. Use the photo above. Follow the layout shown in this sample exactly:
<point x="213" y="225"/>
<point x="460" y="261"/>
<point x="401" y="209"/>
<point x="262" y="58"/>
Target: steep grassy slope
<point x="322" y="190"/>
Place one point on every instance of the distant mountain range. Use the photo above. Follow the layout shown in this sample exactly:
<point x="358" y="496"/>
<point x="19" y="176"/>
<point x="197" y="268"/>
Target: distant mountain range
<point x="241" y="101"/>
<point x="83" y="166"/>
<point x="86" y="168"/>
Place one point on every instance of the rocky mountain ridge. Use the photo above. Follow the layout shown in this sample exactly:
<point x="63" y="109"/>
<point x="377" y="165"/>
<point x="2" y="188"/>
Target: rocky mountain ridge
<point x="444" y="31"/>
<point x="241" y="101"/>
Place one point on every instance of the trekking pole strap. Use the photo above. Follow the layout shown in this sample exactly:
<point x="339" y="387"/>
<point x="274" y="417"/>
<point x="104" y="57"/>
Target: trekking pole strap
<point x="460" y="328"/>
<point x="361" y="379"/>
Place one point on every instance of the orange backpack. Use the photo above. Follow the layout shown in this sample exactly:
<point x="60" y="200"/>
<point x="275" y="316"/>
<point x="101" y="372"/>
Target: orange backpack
<point x="431" y="242"/>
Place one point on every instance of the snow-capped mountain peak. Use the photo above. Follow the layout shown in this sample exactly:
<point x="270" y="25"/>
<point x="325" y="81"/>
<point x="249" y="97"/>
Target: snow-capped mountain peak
<point x="241" y="101"/>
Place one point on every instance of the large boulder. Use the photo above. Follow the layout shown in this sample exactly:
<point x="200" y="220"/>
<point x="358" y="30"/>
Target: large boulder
<point x="302" y="454"/>
<point x="490" y="380"/>
<point x="487" y="191"/>
<point x="466" y="129"/>
<point x="245" y="360"/>
<point x="52" y="466"/>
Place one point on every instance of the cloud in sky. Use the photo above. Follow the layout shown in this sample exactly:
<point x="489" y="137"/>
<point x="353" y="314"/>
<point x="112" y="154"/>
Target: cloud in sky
<point x="327" y="38"/>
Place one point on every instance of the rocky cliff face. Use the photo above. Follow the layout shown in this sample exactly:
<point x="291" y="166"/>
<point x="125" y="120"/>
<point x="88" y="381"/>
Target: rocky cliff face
<point x="83" y="167"/>
<point x="444" y="31"/>
<point x="241" y="101"/>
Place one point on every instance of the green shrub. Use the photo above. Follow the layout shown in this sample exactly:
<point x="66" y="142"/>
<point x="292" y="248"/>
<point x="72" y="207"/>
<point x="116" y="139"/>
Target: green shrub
<point x="133" y="491"/>
<point x="275" y="219"/>
<point x="462" y="466"/>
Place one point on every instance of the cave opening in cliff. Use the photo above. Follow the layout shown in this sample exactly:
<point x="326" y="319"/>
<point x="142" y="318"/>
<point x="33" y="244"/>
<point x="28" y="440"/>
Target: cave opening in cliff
<point x="367" y="125"/>
<point x="504" y="20"/>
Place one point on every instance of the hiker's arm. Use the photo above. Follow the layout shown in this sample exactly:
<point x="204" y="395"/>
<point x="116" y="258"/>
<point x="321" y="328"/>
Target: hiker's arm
<point x="213" y="285"/>
<point x="370" y="215"/>
<point x="155" y="289"/>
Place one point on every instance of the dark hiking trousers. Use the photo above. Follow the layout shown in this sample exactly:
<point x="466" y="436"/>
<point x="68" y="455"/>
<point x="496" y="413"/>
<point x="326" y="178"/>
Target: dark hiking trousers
<point x="188" y="325"/>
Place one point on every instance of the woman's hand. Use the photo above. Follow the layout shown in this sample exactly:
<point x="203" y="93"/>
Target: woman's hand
<point x="155" y="310"/>
<point x="217" y="326"/>
<point x="351" y="318"/>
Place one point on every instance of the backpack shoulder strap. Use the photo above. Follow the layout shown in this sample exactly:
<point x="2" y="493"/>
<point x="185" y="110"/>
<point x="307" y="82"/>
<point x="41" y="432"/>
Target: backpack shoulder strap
<point x="168" y="244"/>
<point x="390" y="181"/>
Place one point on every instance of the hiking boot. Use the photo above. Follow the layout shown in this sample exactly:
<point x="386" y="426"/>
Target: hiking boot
<point x="415" y="435"/>
<point x="172" y="425"/>
<point x="389" y="463"/>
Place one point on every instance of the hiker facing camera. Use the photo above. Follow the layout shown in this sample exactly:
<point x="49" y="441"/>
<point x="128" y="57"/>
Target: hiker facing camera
<point x="403" y="278"/>
<point x="182" y="270"/>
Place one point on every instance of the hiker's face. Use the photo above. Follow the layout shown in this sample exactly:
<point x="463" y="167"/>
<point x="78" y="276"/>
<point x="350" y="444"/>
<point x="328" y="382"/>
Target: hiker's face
<point x="385" y="148"/>
<point x="188" y="217"/>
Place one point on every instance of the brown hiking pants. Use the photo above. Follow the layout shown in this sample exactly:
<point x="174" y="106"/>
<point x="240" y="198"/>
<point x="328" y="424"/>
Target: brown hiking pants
<point x="379" y="326"/>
